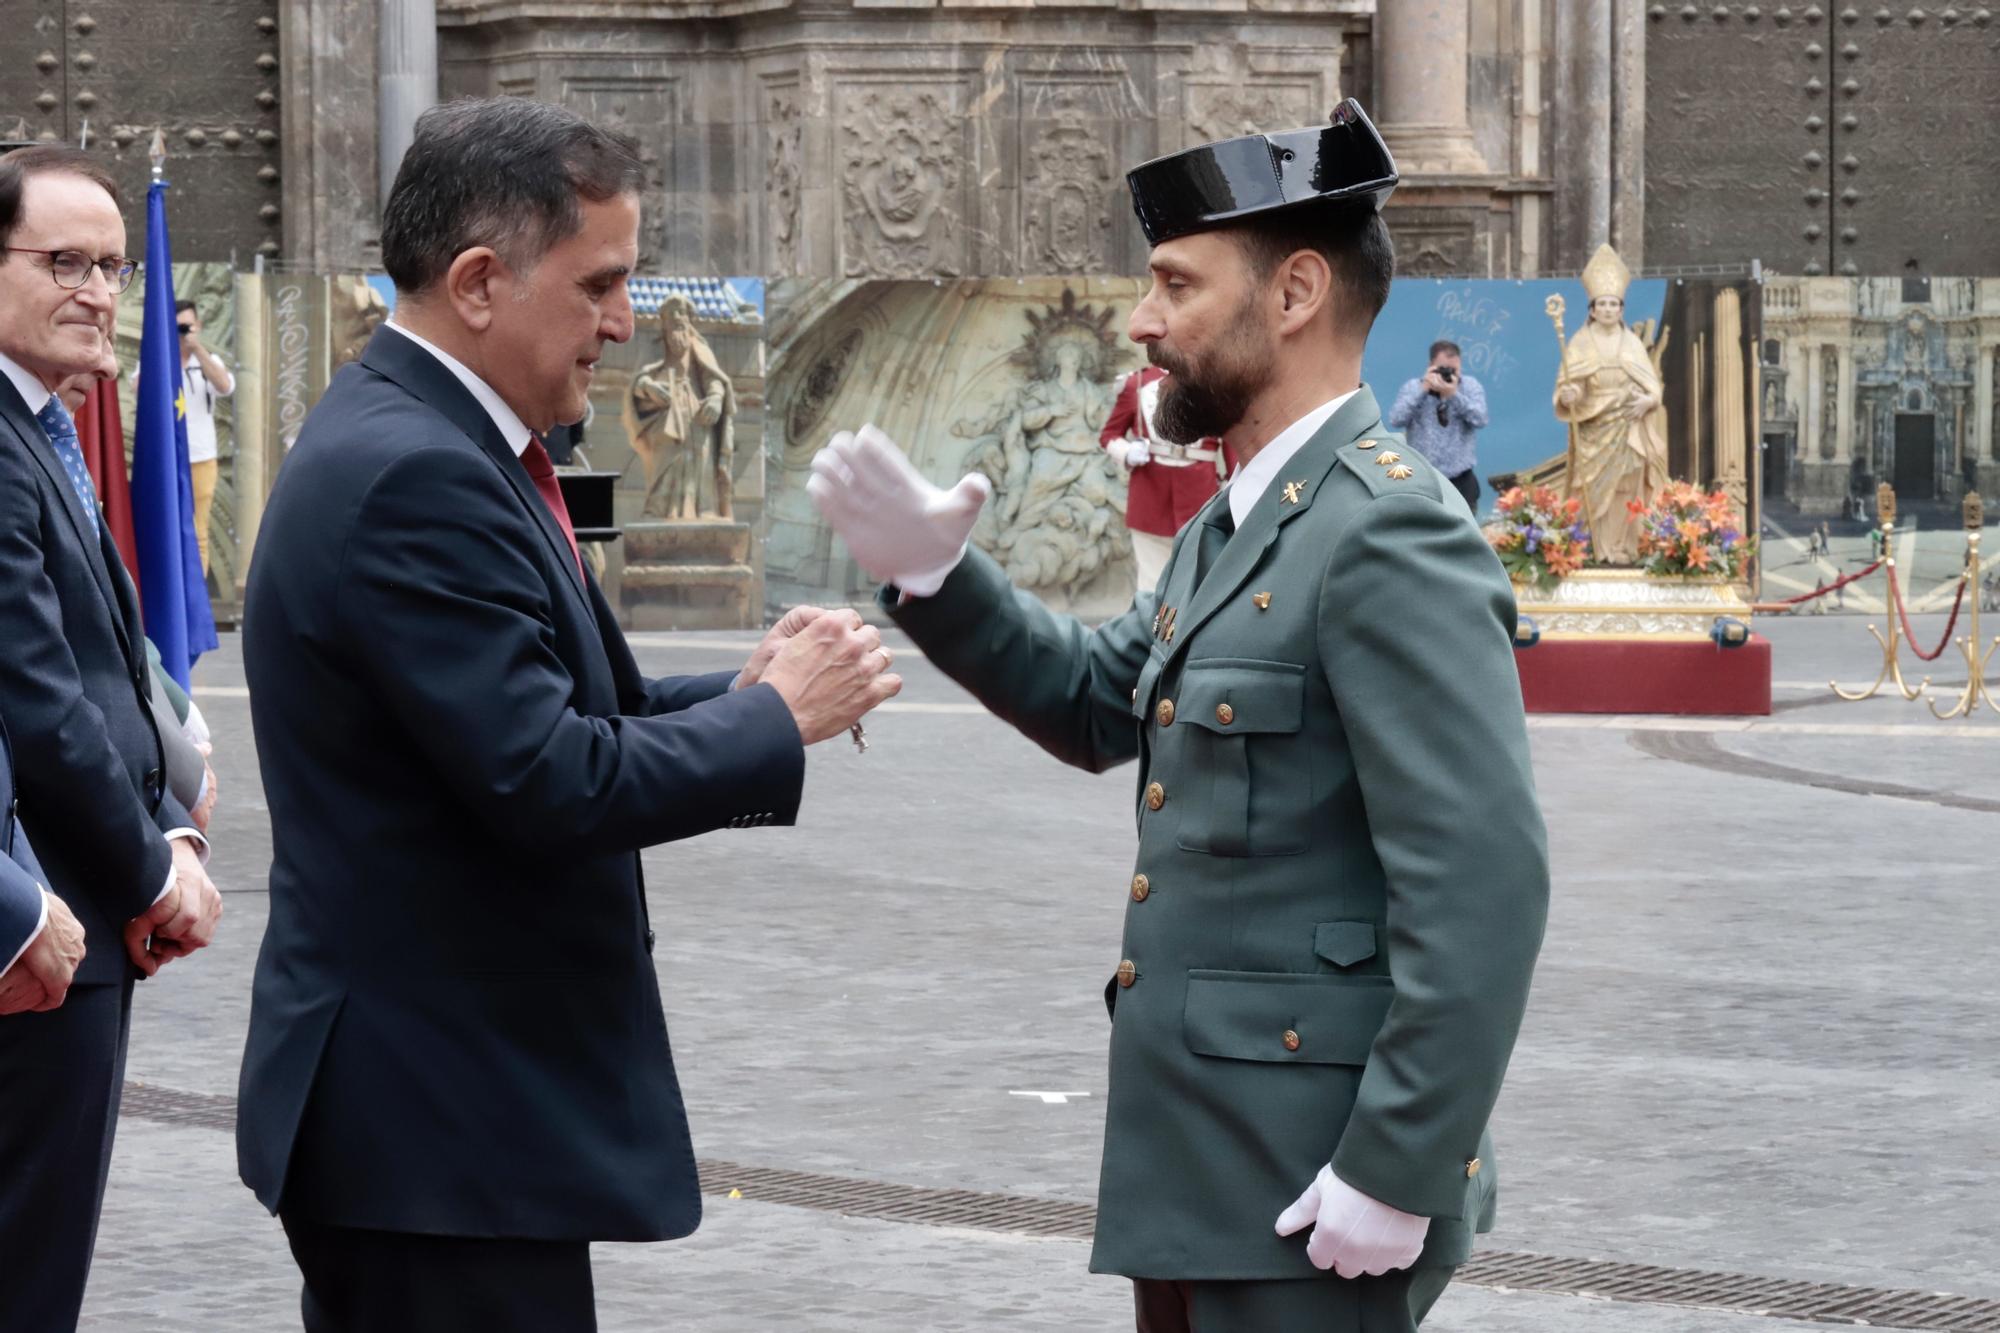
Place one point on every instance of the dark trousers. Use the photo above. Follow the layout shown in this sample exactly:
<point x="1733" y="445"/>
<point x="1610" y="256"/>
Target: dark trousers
<point x="60" y="1078"/>
<point x="398" y="1282"/>
<point x="1468" y="486"/>
<point x="1392" y="1303"/>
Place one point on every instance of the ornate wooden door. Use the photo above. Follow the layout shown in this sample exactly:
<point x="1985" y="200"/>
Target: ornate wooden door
<point x="206" y="72"/>
<point x="1823" y="138"/>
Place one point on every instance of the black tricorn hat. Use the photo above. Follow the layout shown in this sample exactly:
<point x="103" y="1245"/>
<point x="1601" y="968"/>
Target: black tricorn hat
<point x="1232" y="179"/>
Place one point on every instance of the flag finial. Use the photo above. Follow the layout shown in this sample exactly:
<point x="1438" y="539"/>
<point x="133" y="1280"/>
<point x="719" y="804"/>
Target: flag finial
<point x="158" y="152"/>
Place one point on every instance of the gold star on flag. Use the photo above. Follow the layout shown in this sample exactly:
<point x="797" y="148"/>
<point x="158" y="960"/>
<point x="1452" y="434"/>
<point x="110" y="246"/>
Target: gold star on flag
<point x="180" y="405"/>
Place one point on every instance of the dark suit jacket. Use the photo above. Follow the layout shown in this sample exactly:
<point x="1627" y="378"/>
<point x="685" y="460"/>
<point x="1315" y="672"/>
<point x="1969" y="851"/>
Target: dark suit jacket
<point x="20" y="873"/>
<point x="456" y="1026"/>
<point x="75" y="693"/>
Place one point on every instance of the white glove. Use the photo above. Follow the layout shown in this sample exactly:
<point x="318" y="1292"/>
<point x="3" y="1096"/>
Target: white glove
<point x="1137" y="453"/>
<point x="1352" y="1233"/>
<point x="900" y="528"/>
<point x="195" y="726"/>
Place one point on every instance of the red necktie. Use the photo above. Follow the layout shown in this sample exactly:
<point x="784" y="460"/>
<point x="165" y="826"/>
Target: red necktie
<point x="536" y="459"/>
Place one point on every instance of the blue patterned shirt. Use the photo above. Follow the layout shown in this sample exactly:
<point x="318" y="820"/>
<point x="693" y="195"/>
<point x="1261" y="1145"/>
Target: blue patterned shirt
<point x="1450" y="445"/>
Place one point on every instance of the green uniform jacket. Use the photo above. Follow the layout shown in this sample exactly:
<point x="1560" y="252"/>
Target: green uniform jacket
<point x="1342" y="875"/>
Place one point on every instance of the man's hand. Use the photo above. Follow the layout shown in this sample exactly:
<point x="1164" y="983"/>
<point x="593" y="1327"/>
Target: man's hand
<point x="793" y="621"/>
<point x="179" y="923"/>
<point x="899" y="526"/>
<point x="831" y="673"/>
<point x="1137" y="453"/>
<point x="40" y="977"/>
<point x="1439" y="385"/>
<point x="1352" y="1233"/>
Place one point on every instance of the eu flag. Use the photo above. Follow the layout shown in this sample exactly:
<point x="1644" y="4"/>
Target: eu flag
<point x="172" y="592"/>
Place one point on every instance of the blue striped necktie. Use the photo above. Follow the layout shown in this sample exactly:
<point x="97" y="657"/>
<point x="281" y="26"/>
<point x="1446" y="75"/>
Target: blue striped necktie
<point x="62" y="434"/>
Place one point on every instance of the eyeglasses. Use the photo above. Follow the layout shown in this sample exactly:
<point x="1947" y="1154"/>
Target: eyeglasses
<point x="71" y="268"/>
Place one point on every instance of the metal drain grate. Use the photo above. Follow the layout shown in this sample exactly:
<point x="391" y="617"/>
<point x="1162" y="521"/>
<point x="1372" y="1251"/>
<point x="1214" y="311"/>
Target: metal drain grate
<point x="1025" y="1215"/>
<point x="1743" y="1293"/>
<point x="171" y="1106"/>
<point x="1019" y="1214"/>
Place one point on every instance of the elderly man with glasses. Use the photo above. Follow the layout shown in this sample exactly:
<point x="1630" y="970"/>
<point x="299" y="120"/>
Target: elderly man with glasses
<point x="114" y="844"/>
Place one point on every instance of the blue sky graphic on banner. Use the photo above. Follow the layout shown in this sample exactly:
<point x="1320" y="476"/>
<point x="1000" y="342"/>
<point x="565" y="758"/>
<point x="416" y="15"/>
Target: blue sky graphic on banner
<point x="1510" y="347"/>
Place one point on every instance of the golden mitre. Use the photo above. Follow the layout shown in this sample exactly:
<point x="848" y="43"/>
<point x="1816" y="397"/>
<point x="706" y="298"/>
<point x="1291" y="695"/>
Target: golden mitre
<point x="1606" y="274"/>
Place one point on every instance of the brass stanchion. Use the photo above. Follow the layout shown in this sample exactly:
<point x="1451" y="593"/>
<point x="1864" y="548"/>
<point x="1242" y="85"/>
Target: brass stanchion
<point x="1975" y="661"/>
<point x="1892" y="668"/>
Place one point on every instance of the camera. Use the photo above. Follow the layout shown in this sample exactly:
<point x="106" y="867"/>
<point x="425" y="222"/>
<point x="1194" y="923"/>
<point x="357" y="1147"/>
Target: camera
<point x="185" y="329"/>
<point x="1449" y="374"/>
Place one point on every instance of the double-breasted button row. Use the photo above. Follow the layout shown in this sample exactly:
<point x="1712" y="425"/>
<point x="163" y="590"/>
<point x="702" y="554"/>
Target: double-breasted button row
<point x="1156" y="796"/>
<point x="752" y="821"/>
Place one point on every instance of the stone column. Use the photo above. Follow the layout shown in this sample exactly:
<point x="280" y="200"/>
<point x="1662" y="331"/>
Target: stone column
<point x="407" y="78"/>
<point x="1420" y="55"/>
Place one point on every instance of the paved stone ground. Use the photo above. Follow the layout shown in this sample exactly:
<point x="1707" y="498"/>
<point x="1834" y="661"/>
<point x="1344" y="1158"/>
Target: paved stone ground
<point x="1760" y="1038"/>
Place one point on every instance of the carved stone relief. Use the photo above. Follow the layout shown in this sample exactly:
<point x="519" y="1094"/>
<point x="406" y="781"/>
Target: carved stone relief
<point x="648" y="110"/>
<point x="784" y="153"/>
<point x="1056" y="519"/>
<point x="1225" y="110"/>
<point x="1066" y="174"/>
<point x="1432" y="249"/>
<point x="900" y="182"/>
<point x="1829" y="402"/>
<point x="821" y="385"/>
<point x="1993" y="447"/>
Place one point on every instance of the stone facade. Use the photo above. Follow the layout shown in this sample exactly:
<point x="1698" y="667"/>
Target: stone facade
<point x="1880" y="379"/>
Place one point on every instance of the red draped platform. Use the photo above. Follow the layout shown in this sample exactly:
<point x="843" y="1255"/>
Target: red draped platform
<point x="1636" y="676"/>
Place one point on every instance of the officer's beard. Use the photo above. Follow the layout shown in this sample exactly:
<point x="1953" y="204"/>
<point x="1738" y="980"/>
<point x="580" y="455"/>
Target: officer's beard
<point x="1203" y="399"/>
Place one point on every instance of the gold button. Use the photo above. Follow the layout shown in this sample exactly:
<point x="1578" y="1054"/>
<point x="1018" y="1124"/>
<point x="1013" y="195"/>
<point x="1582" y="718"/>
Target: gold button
<point x="1472" y="1168"/>
<point x="1156" y="796"/>
<point x="1262" y="599"/>
<point x="1291" y="1040"/>
<point x="1141" y="886"/>
<point x="1127" y="974"/>
<point x="1166" y="712"/>
<point x="1225" y="714"/>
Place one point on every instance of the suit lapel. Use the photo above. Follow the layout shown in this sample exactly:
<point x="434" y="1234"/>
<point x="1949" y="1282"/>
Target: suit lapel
<point x="1290" y="494"/>
<point x="15" y="413"/>
<point x="426" y="379"/>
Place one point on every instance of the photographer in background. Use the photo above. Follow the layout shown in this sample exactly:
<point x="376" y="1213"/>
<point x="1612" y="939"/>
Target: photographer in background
<point x="1441" y="415"/>
<point x="205" y="379"/>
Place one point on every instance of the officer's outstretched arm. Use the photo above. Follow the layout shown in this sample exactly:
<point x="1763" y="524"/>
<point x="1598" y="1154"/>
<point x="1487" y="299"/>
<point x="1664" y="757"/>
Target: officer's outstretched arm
<point x="1416" y="624"/>
<point x="1064" y="686"/>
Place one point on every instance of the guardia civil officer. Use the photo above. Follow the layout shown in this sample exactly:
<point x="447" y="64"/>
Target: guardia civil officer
<point x="1342" y="877"/>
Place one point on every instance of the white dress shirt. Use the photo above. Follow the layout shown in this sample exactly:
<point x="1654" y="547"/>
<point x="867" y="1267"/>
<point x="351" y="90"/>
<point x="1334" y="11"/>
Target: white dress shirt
<point x="1255" y="477"/>
<point x="512" y="428"/>
<point x="201" y="396"/>
<point x="37" y="395"/>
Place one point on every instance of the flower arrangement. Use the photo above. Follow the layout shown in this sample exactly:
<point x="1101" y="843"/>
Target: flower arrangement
<point x="1539" y="536"/>
<point x="1687" y="531"/>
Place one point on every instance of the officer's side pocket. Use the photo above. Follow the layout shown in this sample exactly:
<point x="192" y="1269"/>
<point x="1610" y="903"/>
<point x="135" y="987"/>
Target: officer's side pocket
<point x="1248" y="783"/>
<point x="1293" y="1018"/>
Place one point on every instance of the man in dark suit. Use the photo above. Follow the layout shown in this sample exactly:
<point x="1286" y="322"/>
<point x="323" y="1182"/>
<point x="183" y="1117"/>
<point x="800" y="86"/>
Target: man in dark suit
<point x="39" y="937"/>
<point x="116" y="846"/>
<point x="457" y="1074"/>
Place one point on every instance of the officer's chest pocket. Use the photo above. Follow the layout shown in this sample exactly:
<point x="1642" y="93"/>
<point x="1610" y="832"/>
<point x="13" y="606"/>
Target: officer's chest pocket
<point x="1241" y="758"/>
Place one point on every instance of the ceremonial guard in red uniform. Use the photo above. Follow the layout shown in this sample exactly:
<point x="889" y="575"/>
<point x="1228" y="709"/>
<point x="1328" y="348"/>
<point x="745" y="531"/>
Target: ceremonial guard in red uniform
<point x="1169" y="482"/>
